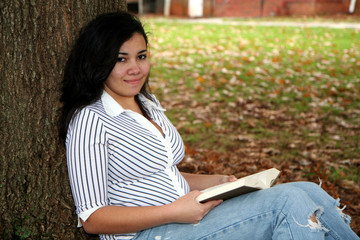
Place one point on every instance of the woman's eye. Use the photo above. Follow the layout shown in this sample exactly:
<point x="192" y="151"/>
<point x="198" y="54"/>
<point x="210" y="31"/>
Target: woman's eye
<point x="121" y="59"/>
<point x="143" y="56"/>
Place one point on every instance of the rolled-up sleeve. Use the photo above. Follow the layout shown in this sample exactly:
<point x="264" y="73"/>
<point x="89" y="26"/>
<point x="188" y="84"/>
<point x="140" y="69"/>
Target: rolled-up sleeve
<point x="87" y="160"/>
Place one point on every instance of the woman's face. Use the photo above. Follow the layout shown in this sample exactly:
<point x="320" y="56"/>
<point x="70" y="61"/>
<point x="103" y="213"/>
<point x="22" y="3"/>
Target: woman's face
<point x="131" y="70"/>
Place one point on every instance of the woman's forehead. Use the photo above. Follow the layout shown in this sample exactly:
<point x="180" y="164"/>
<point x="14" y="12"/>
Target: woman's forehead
<point x="135" y="43"/>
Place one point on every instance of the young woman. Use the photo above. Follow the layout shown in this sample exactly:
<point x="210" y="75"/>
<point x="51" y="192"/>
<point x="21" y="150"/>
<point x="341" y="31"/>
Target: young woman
<point x="122" y="154"/>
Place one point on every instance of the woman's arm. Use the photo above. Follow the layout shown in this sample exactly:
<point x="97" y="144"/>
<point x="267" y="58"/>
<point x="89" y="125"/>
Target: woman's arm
<point x="201" y="182"/>
<point x="116" y="219"/>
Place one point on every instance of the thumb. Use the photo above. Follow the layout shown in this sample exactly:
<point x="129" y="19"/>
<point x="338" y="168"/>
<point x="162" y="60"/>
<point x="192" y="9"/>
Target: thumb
<point x="195" y="193"/>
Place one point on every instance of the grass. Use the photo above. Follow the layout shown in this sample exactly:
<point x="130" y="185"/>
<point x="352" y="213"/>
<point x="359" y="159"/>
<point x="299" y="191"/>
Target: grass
<point x="282" y="85"/>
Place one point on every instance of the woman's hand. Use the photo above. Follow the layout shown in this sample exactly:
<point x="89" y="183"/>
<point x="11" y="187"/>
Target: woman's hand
<point x="187" y="209"/>
<point x="225" y="179"/>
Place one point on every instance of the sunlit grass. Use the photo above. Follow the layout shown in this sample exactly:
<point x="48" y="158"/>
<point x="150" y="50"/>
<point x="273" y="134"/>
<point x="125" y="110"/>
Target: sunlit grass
<point x="204" y="73"/>
<point x="282" y="65"/>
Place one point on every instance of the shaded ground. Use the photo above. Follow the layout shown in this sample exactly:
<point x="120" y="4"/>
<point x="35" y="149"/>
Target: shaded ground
<point x="253" y="158"/>
<point x="254" y="155"/>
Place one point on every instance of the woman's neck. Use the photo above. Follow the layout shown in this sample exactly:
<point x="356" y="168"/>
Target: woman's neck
<point x="125" y="102"/>
<point x="130" y="104"/>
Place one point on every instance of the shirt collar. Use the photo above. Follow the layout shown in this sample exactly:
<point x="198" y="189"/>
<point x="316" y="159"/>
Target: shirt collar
<point x="113" y="108"/>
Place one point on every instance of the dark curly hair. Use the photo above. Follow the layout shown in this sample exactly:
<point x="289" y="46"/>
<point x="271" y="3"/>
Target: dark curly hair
<point x="91" y="61"/>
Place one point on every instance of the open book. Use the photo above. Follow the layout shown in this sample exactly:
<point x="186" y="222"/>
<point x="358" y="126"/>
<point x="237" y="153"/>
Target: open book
<point x="257" y="181"/>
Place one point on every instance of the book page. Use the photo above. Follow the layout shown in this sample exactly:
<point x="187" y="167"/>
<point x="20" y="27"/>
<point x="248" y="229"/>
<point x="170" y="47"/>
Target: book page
<point x="257" y="181"/>
<point x="267" y="177"/>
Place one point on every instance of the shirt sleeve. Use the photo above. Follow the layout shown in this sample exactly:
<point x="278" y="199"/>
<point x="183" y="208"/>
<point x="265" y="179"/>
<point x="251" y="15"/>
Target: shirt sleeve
<point x="87" y="159"/>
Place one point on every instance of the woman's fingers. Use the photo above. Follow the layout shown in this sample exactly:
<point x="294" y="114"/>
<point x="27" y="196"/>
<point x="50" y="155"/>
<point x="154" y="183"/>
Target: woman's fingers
<point x="211" y="205"/>
<point x="188" y="210"/>
<point x="232" y="178"/>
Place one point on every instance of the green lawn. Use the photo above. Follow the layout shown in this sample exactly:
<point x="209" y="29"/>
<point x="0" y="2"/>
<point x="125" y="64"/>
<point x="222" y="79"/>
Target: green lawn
<point x="295" y="90"/>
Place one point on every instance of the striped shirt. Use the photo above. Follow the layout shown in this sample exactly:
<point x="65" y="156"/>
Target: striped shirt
<point x="118" y="157"/>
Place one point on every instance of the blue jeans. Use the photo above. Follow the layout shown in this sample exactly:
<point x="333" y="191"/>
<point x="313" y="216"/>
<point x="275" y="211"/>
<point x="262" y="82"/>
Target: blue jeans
<point x="282" y="212"/>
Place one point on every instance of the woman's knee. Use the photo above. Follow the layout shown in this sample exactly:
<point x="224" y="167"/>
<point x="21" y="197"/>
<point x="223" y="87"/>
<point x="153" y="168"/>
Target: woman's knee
<point x="314" y="191"/>
<point x="290" y="189"/>
<point x="307" y="186"/>
<point x="292" y="194"/>
<point x="284" y="194"/>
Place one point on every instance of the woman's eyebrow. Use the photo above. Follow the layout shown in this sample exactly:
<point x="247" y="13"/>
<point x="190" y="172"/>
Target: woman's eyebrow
<point x="124" y="53"/>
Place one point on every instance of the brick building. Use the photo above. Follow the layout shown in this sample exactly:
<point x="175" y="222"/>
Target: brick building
<point x="258" y="8"/>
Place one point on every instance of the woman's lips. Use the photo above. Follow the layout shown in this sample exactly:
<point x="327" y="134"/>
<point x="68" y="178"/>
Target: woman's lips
<point x="133" y="82"/>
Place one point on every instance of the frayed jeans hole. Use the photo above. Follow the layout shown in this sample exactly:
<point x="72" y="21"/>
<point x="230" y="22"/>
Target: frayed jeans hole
<point x="314" y="223"/>
<point x="313" y="218"/>
<point x="345" y="217"/>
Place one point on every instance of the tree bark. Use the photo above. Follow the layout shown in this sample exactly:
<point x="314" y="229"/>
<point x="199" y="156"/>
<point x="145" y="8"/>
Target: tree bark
<point x="36" y="37"/>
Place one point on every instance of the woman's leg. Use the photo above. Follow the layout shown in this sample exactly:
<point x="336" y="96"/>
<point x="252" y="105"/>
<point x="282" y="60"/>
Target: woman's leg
<point x="332" y="217"/>
<point x="281" y="212"/>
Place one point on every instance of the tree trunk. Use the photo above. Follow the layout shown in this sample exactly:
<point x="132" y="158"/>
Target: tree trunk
<point x="36" y="37"/>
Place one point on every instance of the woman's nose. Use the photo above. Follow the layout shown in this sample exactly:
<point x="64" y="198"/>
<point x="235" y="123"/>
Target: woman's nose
<point x="134" y="68"/>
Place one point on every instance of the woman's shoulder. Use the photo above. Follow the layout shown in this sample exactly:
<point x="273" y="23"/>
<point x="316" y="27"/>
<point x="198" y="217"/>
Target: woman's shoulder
<point x="84" y="121"/>
<point x="93" y="110"/>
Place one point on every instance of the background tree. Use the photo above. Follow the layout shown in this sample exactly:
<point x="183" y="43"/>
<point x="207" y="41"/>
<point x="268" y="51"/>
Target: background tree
<point x="35" y="39"/>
